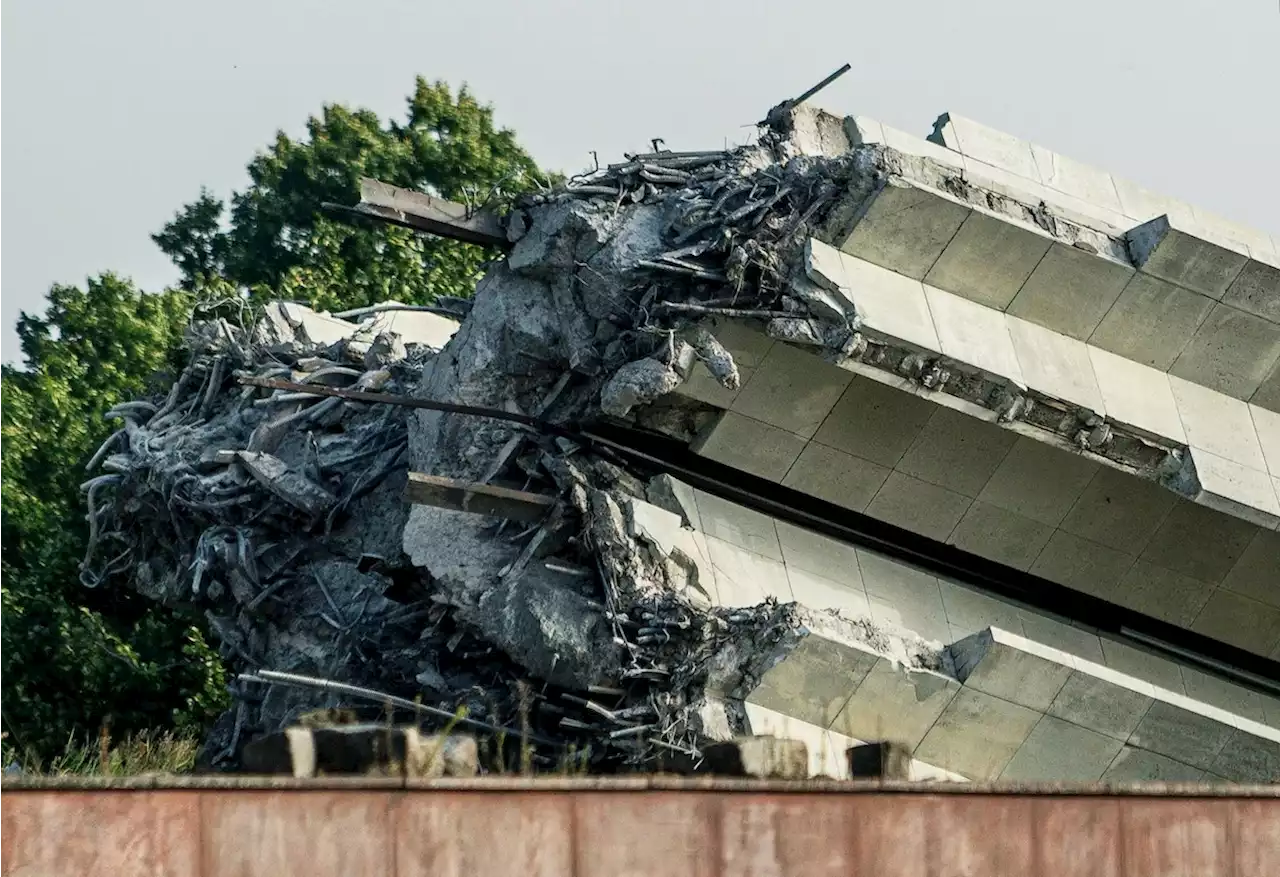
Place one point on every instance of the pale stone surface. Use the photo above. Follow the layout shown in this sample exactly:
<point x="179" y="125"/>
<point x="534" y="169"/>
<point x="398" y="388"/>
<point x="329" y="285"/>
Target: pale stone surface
<point x="905" y="228"/>
<point x="1059" y="751"/>
<point x="1060" y="635"/>
<point x="1199" y="541"/>
<point x="1039" y="481"/>
<point x="1183" y="735"/>
<point x="1093" y="702"/>
<point x="814" y="681"/>
<point x="825" y="750"/>
<point x="890" y="304"/>
<point x="1232" y="233"/>
<point x="1236" y="489"/>
<point x="1083" y="565"/>
<point x="875" y="422"/>
<point x="1134" y="765"/>
<point x="973" y="334"/>
<point x="1232" y="352"/>
<point x="988" y="260"/>
<point x="977" y="735"/>
<point x="1143" y="665"/>
<point x="904" y="596"/>
<point x="1137" y="395"/>
<point x="792" y="390"/>
<point x="957" y="452"/>
<point x="1217" y="423"/>
<point x="1257" y="289"/>
<point x="1162" y="593"/>
<point x="744" y="578"/>
<point x="893" y="701"/>
<point x="1076" y="178"/>
<point x="824" y="594"/>
<point x="970" y="612"/>
<point x="1180" y="254"/>
<point x="912" y="145"/>
<point x="415" y="327"/>
<point x="835" y="476"/>
<point x="992" y="662"/>
<point x="1143" y="205"/>
<point x="739" y="526"/>
<point x="812" y="552"/>
<point x="986" y="144"/>
<point x="1071" y="290"/>
<point x="1152" y="321"/>
<point x="1267" y="425"/>
<point x="1240" y="621"/>
<point x="919" y="506"/>
<point x="1055" y="365"/>
<point x="861" y="129"/>
<point x="749" y="445"/>
<point x="1000" y="535"/>
<point x="1257" y="573"/>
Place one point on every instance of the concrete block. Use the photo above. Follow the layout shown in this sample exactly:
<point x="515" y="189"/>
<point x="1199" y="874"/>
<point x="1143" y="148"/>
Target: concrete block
<point x="1217" y="423"/>
<point x="890" y="305"/>
<point x="739" y="526"/>
<point x="792" y="390"/>
<point x="1248" y="759"/>
<point x="1134" y="765"/>
<point x="827" y="595"/>
<point x="970" y="612"/>
<point x="1181" y="734"/>
<point x="1119" y="510"/>
<point x="1257" y="573"/>
<point x="1238" y="620"/>
<point x="1083" y="565"/>
<point x="875" y="422"/>
<point x="988" y="260"/>
<point x="1257" y="289"/>
<point x="957" y="452"/>
<point x="1137" y="395"/>
<point x="1143" y="205"/>
<point x="896" y="702"/>
<point x="905" y="227"/>
<point x="993" y="661"/>
<point x="999" y="535"/>
<point x="1070" y="291"/>
<point x="1076" y="178"/>
<point x="1268" y="393"/>
<point x="747" y="444"/>
<point x="1058" y="751"/>
<point x="911" y="145"/>
<point x="415" y="327"/>
<point x="973" y="334"/>
<point x="977" y="735"/>
<point x="1231" y="352"/>
<point x="814" y="681"/>
<point x="1267" y="425"/>
<point x="1055" y="365"/>
<point x="1094" y="702"/>
<point x="812" y="552"/>
<point x="919" y="506"/>
<point x="885" y="761"/>
<point x="835" y="476"/>
<point x="744" y="578"/>
<point x="318" y="328"/>
<point x="1198" y="541"/>
<point x="903" y="596"/>
<point x="1152" y="321"/>
<point x="985" y="144"/>
<point x="759" y="757"/>
<point x="1162" y="593"/>
<point x="1039" y="481"/>
<point x="1075" y="641"/>
<point x="1179" y="253"/>
<point x="1236" y="489"/>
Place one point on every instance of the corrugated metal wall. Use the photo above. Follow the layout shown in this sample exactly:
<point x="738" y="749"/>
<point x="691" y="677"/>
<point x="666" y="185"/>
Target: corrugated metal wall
<point x="512" y="831"/>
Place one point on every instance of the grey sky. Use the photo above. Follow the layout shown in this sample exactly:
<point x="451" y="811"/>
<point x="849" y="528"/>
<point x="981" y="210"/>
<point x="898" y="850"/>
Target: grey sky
<point x="114" y="114"/>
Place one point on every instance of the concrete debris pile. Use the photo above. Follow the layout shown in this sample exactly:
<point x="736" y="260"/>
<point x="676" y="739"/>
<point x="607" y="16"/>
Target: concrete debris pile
<point x="282" y="515"/>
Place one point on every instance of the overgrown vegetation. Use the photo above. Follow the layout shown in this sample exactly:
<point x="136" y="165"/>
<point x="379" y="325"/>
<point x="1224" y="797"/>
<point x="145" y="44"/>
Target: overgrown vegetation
<point x="75" y="657"/>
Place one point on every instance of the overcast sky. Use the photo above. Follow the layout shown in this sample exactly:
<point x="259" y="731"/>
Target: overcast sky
<point x="116" y="113"/>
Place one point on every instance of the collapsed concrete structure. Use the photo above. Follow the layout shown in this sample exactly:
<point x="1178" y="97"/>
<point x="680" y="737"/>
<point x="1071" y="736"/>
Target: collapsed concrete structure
<point x="843" y="436"/>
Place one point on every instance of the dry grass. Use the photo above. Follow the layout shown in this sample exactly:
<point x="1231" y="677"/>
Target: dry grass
<point x="141" y="753"/>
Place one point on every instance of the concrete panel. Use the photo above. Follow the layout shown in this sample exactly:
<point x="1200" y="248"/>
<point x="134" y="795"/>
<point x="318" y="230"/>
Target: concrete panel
<point x="792" y="390"/>
<point x="970" y="613"/>
<point x="973" y="334"/>
<point x="1135" y="765"/>
<point x="988" y="260"/>
<point x="747" y="444"/>
<point x="1257" y="573"/>
<point x="1232" y="352"/>
<point x="905" y="228"/>
<point x="1058" y="751"/>
<point x="986" y="144"/>
<point x="1180" y="254"/>
<point x="739" y="526"/>
<point x="1198" y="541"/>
<point x="1152" y="321"/>
<point x="1240" y="621"/>
<point x="1236" y="489"/>
<point x="903" y="596"/>
<point x="890" y="304"/>
<point x="1091" y="701"/>
<point x="1143" y="205"/>
<point x="1055" y="365"/>
<point x="1141" y="664"/>
<point x="899" y="703"/>
<point x="1257" y="289"/>
<point x="957" y="452"/>
<point x="824" y="594"/>
<point x="1182" y="735"/>
<point x="1217" y="423"/>
<point x="995" y="662"/>
<point x="1039" y="481"/>
<point x="1076" y="178"/>
<point x="1137" y="395"/>
<point x="1071" y="290"/>
<point x="1268" y="393"/>
<point x="1000" y="535"/>
<point x="875" y="422"/>
<point x="835" y="476"/>
<point x="814" y="681"/>
<point x="805" y="550"/>
<point x="977" y="735"/>
<point x="1119" y="510"/>
<point x="1162" y="593"/>
<point x="744" y="578"/>
<point x="1083" y="565"/>
<point x="1248" y="759"/>
<point x="1267" y="425"/>
<point x="919" y="506"/>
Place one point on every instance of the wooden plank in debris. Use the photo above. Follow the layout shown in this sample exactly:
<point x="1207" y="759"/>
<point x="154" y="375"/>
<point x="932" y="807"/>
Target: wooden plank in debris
<point x="418" y="210"/>
<point x="481" y="499"/>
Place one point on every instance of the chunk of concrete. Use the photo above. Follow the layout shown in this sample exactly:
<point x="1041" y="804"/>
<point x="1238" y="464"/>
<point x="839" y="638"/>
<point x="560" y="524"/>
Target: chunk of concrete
<point x="317" y="328"/>
<point x="1152" y="321"/>
<point x="904" y="227"/>
<point x="1231" y="352"/>
<point x="293" y="487"/>
<point x="988" y="260"/>
<point x="1180" y="254"/>
<point x="994" y="661"/>
<point x="1071" y="290"/>
<point x="414" y="327"/>
<point x="911" y="145"/>
<point x="759" y="757"/>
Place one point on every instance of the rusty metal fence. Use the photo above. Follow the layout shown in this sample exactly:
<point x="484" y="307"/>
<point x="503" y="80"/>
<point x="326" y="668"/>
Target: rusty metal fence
<point x="628" y="828"/>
